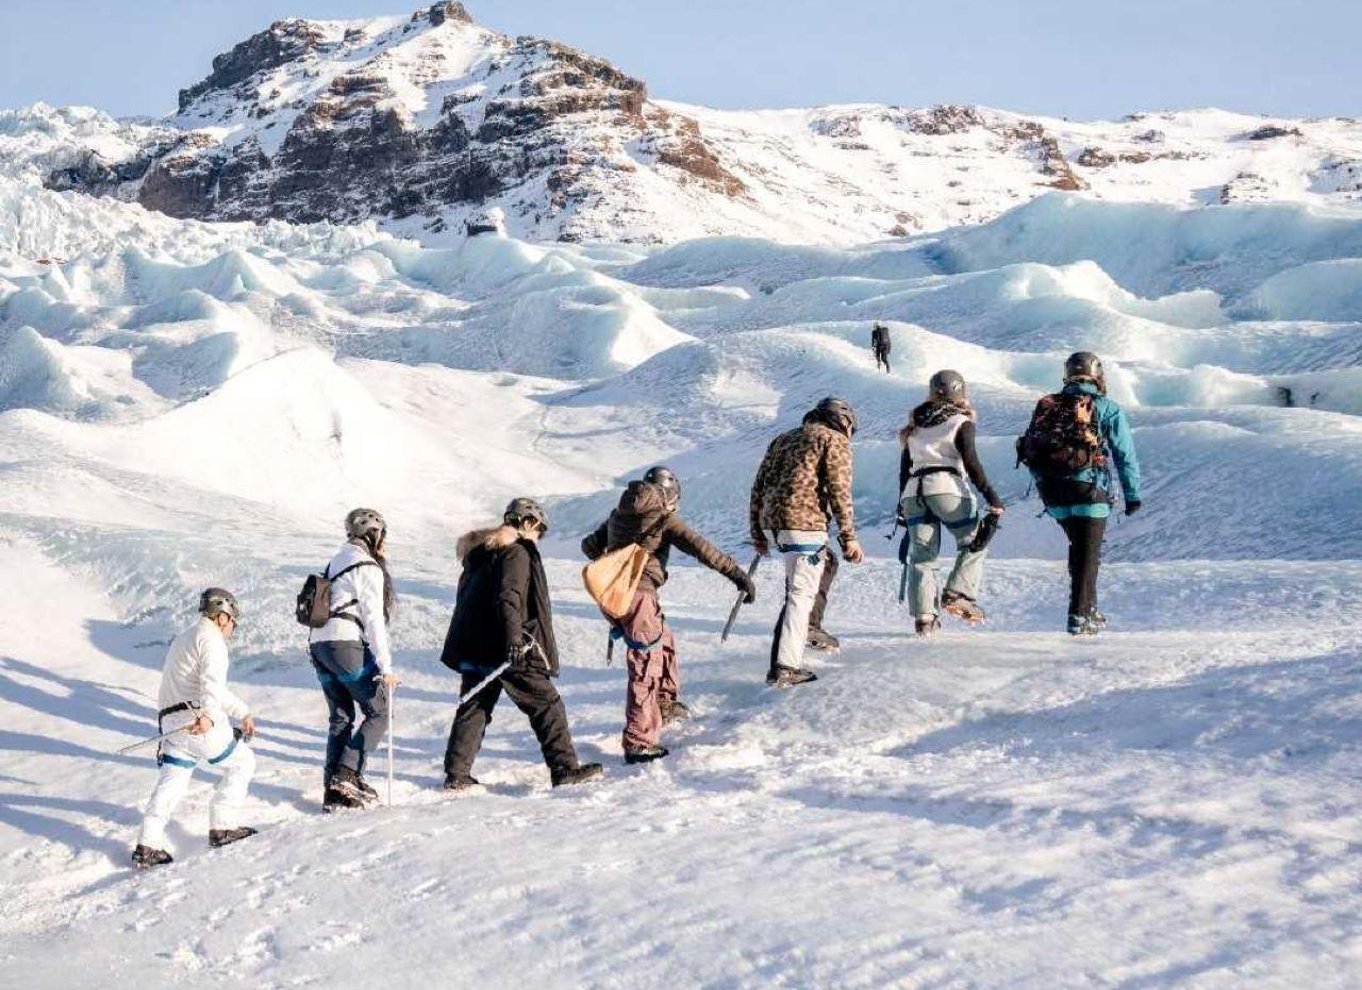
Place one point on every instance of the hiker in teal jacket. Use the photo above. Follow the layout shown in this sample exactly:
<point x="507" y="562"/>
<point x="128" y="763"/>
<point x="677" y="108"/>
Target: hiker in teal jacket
<point x="1080" y="499"/>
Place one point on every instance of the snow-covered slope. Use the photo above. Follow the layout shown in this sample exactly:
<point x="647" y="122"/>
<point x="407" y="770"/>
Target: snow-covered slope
<point x="427" y="121"/>
<point x="1174" y="804"/>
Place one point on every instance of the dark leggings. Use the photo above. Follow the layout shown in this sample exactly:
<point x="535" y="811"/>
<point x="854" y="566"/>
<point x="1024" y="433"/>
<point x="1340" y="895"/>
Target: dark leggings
<point x="1085" y="557"/>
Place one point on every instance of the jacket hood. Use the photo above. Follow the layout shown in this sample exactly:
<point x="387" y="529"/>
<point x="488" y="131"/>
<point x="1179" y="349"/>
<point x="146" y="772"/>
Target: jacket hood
<point x="642" y="499"/>
<point x="495" y="538"/>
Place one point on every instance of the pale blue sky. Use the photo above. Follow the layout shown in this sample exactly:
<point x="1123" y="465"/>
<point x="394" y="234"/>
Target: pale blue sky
<point x="1102" y="58"/>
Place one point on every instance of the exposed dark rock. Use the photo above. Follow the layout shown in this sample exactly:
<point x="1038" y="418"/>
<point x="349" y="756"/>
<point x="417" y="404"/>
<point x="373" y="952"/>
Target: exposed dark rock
<point x="452" y="11"/>
<point x="1097" y="158"/>
<point x="1270" y="131"/>
<point x="1054" y="164"/>
<point x="285" y="41"/>
<point x="945" y="119"/>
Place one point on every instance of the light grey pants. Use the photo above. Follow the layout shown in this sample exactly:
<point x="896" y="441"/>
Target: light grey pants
<point x="803" y="557"/>
<point x="926" y="515"/>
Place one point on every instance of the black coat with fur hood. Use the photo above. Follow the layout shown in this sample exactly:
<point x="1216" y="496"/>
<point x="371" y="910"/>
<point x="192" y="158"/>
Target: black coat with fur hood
<point x="503" y="594"/>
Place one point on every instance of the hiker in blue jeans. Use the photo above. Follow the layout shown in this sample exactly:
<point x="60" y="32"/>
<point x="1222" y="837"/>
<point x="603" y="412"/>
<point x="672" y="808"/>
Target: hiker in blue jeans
<point x="353" y="658"/>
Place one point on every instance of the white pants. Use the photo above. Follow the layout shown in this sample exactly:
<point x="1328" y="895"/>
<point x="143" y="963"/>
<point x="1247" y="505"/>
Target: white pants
<point x="802" y="554"/>
<point x="220" y="750"/>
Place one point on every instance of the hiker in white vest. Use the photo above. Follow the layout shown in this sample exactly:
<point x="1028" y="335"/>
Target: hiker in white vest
<point x="937" y="466"/>
<point x="352" y="656"/>
<point x="197" y="707"/>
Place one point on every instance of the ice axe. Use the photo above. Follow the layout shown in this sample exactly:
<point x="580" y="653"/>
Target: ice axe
<point x="155" y="739"/>
<point x="733" y="613"/>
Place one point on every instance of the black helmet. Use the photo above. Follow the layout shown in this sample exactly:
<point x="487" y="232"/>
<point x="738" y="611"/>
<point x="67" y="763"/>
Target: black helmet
<point x="216" y="601"/>
<point x="1084" y="366"/>
<point x="366" y="523"/>
<point x="836" y="413"/>
<point x="666" y="479"/>
<point x="522" y="509"/>
<point x="947" y="385"/>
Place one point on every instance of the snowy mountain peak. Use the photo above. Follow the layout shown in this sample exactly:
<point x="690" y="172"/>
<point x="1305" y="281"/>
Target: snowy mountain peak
<point x="423" y="121"/>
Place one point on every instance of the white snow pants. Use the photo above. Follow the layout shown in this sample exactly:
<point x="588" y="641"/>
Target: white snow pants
<point x="802" y="554"/>
<point x="180" y="755"/>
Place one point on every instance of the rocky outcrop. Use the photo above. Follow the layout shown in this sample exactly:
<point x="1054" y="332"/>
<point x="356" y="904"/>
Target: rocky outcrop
<point x="1096" y="158"/>
<point x="1056" y="166"/>
<point x="358" y="144"/>
<point x="1270" y="131"/>
<point x="284" y="42"/>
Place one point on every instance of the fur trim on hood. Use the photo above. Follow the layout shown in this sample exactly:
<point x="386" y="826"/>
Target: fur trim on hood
<point x="495" y="538"/>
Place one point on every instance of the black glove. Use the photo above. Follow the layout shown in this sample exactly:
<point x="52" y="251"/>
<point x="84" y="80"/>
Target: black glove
<point x="746" y="586"/>
<point x="1133" y="507"/>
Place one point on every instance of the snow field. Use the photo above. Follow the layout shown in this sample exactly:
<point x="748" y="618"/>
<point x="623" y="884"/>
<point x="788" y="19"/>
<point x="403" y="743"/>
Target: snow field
<point x="1173" y="804"/>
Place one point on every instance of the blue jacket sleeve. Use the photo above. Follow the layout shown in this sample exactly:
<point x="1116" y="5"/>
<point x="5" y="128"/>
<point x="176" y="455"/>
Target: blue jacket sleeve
<point x="1121" y="441"/>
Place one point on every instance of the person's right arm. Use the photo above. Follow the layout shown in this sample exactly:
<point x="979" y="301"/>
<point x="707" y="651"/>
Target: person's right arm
<point x="836" y="471"/>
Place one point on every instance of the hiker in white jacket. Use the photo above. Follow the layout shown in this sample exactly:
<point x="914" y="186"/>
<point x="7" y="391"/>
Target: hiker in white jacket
<point x="197" y="705"/>
<point x="353" y="658"/>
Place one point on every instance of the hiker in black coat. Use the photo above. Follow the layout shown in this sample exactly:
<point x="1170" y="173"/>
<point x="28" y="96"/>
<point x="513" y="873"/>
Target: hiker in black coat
<point x="503" y="616"/>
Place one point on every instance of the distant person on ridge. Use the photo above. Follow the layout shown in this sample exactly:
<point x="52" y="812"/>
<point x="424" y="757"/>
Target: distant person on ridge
<point x="502" y="614"/>
<point x="196" y="704"/>
<point x="647" y="515"/>
<point x="936" y="468"/>
<point x="881" y="345"/>
<point x="353" y="658"/>
<point x="803" y="483"/>
<point x="1068" y="447"/>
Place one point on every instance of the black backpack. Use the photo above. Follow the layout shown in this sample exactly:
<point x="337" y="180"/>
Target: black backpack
<point x="1064" y="437"/>
<point x="314" y="601"/>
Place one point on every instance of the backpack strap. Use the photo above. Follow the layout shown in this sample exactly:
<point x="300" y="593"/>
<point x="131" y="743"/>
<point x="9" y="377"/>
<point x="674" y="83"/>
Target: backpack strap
<point x="339" y="611"/>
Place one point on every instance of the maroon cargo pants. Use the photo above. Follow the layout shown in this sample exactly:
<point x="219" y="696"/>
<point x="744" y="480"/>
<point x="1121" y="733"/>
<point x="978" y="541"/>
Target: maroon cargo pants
<point x="654" y="676"/>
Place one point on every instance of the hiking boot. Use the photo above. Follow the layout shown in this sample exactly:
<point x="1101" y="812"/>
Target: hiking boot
<point x="370" y="796"/>
<point x="782" y="676"/>
<point x="1097" y="619"/>
<point x="962" y="607"/>
<point x="823" y="642"/>
<point x="1082" y="625"/>
<point x="219" y="837"/>
<point x="460" y="782"/>
<point x="674" y="711"/>
<point x="568" y="776"/>
<point x="145" y="857"/>
<point x="926" y="625"/>
<point x="335" y="800"/>
<point x="347" y="782"/>
<point x="645" y="755"/>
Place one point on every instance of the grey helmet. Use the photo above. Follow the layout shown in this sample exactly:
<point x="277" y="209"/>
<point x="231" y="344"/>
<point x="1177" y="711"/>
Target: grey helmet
<point x="368" y="524"/>
<point x="1084" y="366"/>
<point x="947" y="385"/>
<point x="836" y="413"/>
<point x="518" y="510"/>
<point x="217" y="601"/>
<point x="666" y="479"/>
